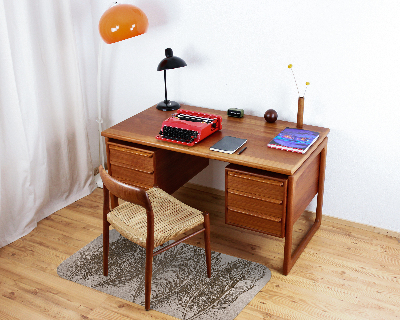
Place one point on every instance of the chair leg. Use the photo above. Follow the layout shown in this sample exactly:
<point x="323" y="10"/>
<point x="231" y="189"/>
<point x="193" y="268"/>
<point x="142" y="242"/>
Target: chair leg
<point x="106" y="246"/>
<point x="106" y="228"/>
<point x="148" y="276"/>
<point x="207" y="242"/>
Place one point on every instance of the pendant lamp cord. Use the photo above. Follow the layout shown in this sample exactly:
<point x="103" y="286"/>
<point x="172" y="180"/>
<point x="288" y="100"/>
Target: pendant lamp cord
<point x="99" y="119"/>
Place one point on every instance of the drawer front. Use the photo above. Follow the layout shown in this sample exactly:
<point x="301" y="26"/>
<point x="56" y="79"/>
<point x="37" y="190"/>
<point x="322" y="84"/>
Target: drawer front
<point x="255" y="200"/>
<point x="268" y="208"/>
<point x="246" y="220"/>
<point x="133" y="177"/>
<point x="260" y="186"/>
<point x="130" y="157"/>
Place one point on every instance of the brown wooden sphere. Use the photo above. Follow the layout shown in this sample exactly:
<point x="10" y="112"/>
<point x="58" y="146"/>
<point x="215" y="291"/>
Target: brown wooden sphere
<point x="270" y="115"/>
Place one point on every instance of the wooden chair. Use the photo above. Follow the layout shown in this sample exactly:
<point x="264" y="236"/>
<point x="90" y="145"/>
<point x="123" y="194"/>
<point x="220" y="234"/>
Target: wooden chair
<point x="149" y="219"/>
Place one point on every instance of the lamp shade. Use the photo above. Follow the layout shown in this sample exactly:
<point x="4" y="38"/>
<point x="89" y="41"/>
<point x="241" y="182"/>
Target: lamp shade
<point x="170" y="61"/>
<point x="122" y="21"/>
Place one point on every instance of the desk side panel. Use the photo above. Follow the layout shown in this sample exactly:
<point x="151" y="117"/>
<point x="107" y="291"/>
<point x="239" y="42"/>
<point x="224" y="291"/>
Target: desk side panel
<point x="306" y="182"/>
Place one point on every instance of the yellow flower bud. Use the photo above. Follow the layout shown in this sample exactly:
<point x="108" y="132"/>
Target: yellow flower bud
<point x="289" y="66"/>
<point x="307" y="83"/>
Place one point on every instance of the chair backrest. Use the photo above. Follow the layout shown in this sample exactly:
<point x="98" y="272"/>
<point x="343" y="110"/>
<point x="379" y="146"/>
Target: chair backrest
<point x="124" y="191"/>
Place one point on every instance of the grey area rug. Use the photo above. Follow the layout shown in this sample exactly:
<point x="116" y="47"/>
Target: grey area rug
<point x="180" y="286"/>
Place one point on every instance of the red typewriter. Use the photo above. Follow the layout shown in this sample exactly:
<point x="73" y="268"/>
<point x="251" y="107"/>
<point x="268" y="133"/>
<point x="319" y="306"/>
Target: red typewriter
<point x="189" y="127"/>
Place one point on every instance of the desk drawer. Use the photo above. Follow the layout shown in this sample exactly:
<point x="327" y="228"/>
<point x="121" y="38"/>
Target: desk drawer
<point x="146" y="166"/>
<point x="262" y="186"/>
<point x="255" y="199"/>
<point x="131" y="157"/>
<point x="252" y="221"/>
<point x="133" y="177"/>
<point x="269" y="208"/>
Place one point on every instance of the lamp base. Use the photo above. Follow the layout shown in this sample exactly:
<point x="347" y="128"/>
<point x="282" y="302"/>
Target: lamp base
<point x="168" y="105"/>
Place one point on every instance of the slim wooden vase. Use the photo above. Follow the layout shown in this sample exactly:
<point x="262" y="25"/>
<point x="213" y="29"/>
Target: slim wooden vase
<point x="300" y="112"/>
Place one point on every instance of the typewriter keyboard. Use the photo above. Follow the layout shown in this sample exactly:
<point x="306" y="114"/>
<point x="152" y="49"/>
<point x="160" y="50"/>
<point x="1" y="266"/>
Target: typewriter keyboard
<point x="178" y="134"/>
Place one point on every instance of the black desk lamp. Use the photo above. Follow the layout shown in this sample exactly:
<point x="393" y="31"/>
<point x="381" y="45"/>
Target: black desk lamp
<point x="169" y="62"/>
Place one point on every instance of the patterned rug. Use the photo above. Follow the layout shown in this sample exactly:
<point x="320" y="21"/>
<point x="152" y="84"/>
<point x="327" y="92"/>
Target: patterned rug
<point x="180" y="286"/>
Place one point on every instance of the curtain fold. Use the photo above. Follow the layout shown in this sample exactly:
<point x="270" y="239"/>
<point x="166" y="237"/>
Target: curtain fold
<point x="45" y="159"/>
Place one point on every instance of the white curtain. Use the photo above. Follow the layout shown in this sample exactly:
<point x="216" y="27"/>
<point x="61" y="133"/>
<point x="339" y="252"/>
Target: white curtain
<point x="45" y="159"/>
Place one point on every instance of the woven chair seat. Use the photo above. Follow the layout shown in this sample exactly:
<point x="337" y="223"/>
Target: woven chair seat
<point x="171" y="218"/>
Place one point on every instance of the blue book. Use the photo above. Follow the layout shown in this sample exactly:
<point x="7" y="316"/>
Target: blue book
<point x="294" y="140"/>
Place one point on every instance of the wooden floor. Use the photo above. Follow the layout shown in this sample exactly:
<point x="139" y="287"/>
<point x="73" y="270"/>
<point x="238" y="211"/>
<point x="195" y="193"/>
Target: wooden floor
<point x="344" y="273"/>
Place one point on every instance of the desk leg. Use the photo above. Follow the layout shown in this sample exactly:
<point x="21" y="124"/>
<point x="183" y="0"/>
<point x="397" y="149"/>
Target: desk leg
<point x="114" y="199"/>
<point x="289" y="259"/>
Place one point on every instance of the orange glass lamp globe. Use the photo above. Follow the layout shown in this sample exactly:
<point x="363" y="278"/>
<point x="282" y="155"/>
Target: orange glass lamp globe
<point x="122" y="21"/>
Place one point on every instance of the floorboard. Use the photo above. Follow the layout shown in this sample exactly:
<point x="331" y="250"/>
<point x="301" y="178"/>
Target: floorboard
<point x="346" y="272"/>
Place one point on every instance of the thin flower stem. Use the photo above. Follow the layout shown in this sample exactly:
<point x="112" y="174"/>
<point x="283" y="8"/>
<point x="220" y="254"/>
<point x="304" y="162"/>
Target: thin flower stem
<point x="295" y="82"/>
<point x="307" y="84"/>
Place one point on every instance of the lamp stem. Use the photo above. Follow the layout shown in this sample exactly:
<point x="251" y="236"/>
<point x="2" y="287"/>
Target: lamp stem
<point x="165" y="83"/>
<point x="99" y="119"/>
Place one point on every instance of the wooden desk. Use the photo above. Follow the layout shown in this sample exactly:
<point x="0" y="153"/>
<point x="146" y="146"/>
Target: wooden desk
<point x="137" y="157"/>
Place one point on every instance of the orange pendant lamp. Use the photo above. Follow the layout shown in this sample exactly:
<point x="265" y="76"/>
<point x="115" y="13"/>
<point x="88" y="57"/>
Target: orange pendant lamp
<point x="122" y="21"/>
<point x="119" y="22"/>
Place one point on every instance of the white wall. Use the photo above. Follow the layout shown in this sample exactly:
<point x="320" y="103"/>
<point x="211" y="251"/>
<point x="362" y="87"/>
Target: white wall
<point x="237" y="54"/>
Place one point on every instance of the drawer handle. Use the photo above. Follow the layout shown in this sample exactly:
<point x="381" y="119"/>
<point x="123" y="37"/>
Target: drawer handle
<point x="140" y="153"/>
<point x="275" y="183"/>
<point x="247" y="195"/>
<point x="256" y="215"/>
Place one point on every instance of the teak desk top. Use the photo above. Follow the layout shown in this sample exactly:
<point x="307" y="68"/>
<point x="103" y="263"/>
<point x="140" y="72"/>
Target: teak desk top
<point x="144" y="126"/>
